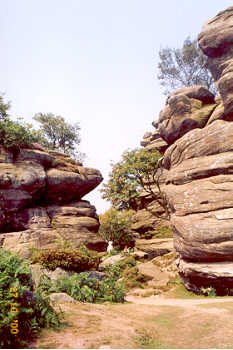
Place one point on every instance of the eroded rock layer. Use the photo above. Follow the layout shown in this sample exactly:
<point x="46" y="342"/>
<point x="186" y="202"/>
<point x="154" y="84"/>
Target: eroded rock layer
<point x="41" y="201"/>
<point x="198" y="166"/>
<point x="216" y="41"/>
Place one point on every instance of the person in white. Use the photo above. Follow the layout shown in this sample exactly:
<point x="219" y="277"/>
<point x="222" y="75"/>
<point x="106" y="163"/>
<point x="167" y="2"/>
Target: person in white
<point x="110" y="246"/>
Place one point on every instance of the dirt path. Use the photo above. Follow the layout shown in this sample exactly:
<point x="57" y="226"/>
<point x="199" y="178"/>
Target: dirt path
<point x="151" y="322"/>
<point x="160" y="301"/>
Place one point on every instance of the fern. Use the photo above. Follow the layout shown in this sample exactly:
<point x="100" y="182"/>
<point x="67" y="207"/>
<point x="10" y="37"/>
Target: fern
<point x="34" y="310"/>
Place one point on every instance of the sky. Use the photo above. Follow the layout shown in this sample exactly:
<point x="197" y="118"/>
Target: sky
<point x="94" y="62"/>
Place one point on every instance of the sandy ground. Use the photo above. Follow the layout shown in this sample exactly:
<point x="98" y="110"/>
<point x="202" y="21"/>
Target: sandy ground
<point x="152" y="322"/>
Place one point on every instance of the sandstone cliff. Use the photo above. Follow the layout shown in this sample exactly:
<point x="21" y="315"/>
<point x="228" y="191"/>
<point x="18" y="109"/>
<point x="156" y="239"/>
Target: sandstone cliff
<point x="41" y="201"/>
<point x="196" y="130"/>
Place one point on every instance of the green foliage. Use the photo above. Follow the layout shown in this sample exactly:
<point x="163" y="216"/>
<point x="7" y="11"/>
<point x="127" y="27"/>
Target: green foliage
<point x="147" y="340"/>
<point x="4" y="108"/>
<point x="16" y="134"/>
<point x="21" y="309"/>
<point x="59" y="134"/>
<point x="115" y="226"/>
<point x="127" y="271"/>
<point x="184" y="67"/>
<point x="83" y="288"/>
<point x="133" y="278"/>
<point x="209" y="291"/>
<point x="163" y="232"/>
<point x="75" y="259"/>
<point x="129" y="176"/>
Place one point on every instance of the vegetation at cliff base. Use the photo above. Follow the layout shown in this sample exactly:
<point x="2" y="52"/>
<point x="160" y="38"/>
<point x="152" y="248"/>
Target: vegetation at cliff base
<point x="24" y="312"/>
<point x="68" y="258"/>
<point x="85" y="289"/>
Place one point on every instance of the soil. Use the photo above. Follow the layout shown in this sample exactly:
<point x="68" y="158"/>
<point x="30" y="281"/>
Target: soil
<point x="151" y="322"/>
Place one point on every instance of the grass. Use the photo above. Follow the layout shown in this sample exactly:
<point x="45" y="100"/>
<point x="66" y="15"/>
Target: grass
<point x="164" y="320"/>
<point x="147" y="340"/>
<point x="179" y="291"/>
<point x="162" y="232"/>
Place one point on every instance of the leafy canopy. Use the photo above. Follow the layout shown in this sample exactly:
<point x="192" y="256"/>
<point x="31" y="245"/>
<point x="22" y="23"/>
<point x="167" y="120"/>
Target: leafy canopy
<point x="15" y="135"/>
<point x="4" y="108"/>
<point x="182" y="67"/>
<point x="59" y="134"/>
<point x="115" y="226"/>
<point x="129" y="176"/>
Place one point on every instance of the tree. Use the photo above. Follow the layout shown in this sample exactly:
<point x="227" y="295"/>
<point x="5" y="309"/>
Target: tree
<point x="115" y="227"/>
<point x="58" y="134"/>
<point x="184" y="67"/>
<point x="138" y="170"/>
<point x="4" y="108"/>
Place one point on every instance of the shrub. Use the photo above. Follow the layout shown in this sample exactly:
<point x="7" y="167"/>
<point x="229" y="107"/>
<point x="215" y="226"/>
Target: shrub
<point x="86" y="289"/>
<point x="82" y="288"/>
<point x="133" y="278"/>
<point x="163" y="232"/>
<point x="75" y="259"/>
<point x="115" y="226"/>
<point x="15" y="135"/>
<point x="23" y="312"/>
<point x="209" y="291"/>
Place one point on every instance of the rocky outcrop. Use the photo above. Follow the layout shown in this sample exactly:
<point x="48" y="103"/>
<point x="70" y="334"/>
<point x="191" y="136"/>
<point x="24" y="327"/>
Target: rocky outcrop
<point x="199" y="187"/>
<point x="198" y="166"/>
<point x="186" y="109"/>
<point x="216" y="39"/>
<point x="41" y="201"/>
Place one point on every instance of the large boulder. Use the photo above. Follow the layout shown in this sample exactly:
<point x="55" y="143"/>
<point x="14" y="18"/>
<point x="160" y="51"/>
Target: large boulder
<point x="40" y="201"/>
<point x="186" y="109"/>
<point x="216" y="39"/>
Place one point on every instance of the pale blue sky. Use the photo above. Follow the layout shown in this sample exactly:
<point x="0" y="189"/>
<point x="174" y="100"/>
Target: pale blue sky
<point x="94" y="61"/>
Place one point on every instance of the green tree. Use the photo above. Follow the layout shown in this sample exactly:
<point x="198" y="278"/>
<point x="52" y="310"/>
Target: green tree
<point x="4" y="108"/>
<point x="115" y="226"/>
<point x="15" y="135"/>
<point x="138" y="170"/>
<point x="184" y="67"/>
<point x="59" y="134"/>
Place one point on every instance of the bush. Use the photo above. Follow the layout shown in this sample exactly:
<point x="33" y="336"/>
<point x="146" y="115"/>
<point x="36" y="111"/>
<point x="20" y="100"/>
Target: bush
<point x="83" y="288"/>
<point x="23" y="312"/>
<point x="115" y="226"/>
<point x="133" y="278"/>
<point x="71" y="259"/>
<point x="15" y="135"/>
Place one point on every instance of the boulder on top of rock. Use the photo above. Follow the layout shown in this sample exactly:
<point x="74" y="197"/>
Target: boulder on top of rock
<point x="216" y="39"/>
<point x="186" y="109"/>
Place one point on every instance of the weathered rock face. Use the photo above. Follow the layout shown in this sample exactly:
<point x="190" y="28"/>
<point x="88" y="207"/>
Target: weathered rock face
<point x="198" y="166"/>
<point x="199" y="188"/>
<point x="40" y="201"/>
<point x="216" y="39"/>
<point x="186" y="109"/>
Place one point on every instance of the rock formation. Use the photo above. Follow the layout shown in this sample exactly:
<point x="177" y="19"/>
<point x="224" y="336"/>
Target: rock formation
<point x="41" y="201"/>
<point x="198" y="166"/>
<point x="216" y="39"/>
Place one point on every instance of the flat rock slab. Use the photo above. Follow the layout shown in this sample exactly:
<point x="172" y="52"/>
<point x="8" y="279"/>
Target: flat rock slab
<point x="155" y="247"/>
